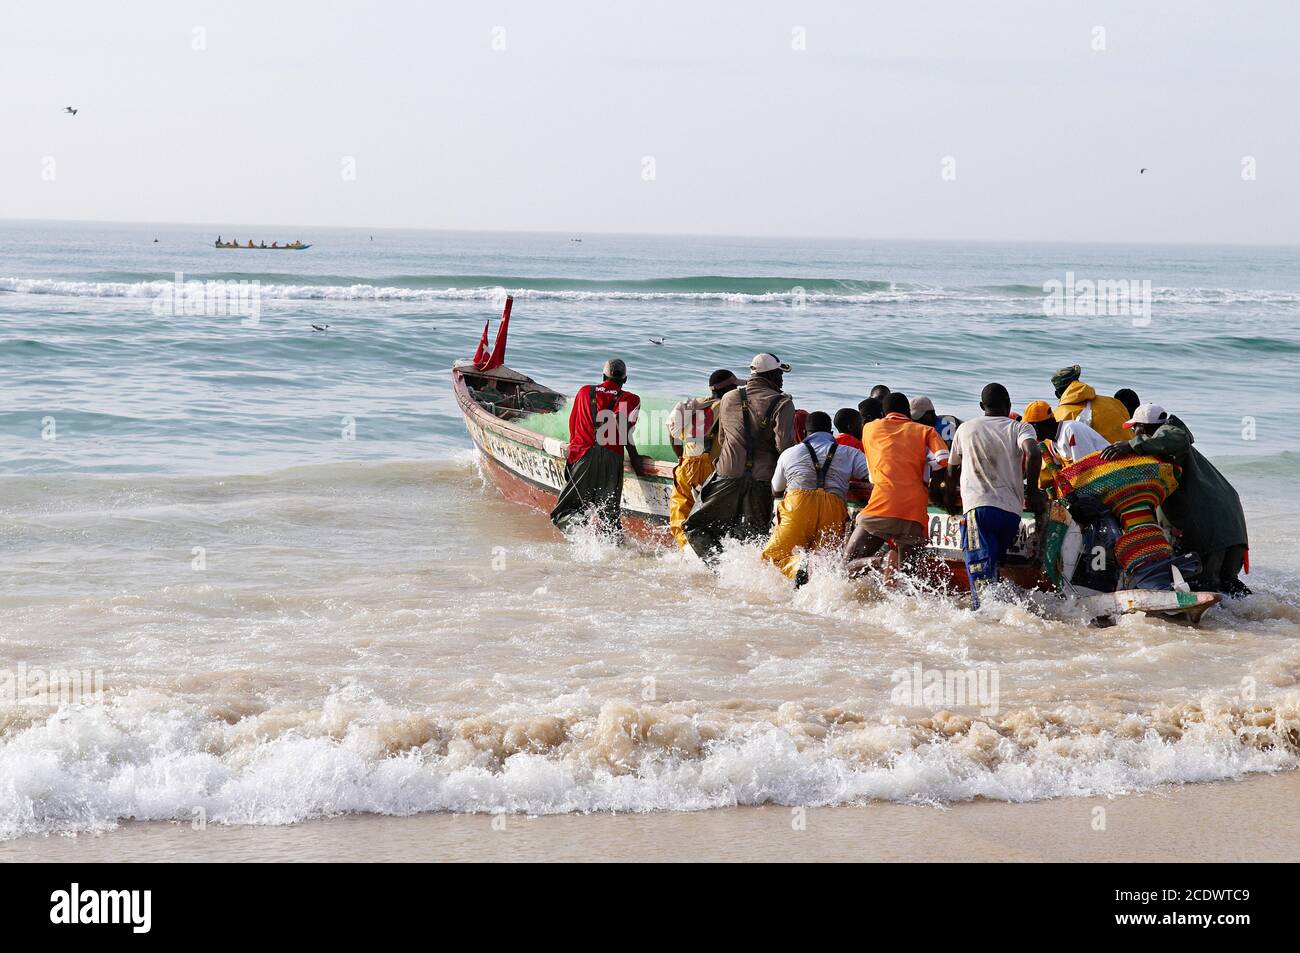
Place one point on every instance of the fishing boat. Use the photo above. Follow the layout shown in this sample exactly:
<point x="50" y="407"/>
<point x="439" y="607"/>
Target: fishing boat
<point x="501" y="407"/>
<point x="276" y="247"/>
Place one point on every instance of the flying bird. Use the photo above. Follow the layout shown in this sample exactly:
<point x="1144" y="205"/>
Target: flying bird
<point x="1142" y="171"/>
<point x="317" y="327"/>
<point x="658" y="341"/>
<point x="69" y="110"/>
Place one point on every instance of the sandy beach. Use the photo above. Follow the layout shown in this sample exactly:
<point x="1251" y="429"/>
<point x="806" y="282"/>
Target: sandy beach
<point x="1242" y="821"/>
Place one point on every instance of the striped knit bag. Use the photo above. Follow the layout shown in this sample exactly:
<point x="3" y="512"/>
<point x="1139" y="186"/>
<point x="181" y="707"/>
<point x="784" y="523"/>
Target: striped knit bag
<point x="1131" y="487"/>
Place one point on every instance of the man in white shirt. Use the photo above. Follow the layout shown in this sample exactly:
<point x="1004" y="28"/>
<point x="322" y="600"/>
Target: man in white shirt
<point x="814" y="476"/>
<point x="995" y="461"/>
<point x="1074" y="440"/>
<point x="1071" y="440"/>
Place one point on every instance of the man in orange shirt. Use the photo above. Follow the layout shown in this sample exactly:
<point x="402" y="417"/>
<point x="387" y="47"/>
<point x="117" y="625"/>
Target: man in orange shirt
<point x="901" y="454"/>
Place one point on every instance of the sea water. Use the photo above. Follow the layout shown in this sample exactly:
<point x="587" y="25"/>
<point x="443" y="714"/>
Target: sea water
<point x="292" y="593"/>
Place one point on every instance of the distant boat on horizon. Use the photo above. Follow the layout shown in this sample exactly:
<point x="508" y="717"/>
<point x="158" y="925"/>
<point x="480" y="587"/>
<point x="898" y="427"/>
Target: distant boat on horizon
<point x="274" y="246"/>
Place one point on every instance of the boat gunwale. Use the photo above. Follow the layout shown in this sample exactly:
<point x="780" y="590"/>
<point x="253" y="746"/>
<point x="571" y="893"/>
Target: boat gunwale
<point x="659" y="469"/>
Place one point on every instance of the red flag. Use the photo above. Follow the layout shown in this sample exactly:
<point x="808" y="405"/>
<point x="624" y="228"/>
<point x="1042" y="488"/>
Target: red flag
<point x="499" y="348"/>
<point x="481" y="354"/>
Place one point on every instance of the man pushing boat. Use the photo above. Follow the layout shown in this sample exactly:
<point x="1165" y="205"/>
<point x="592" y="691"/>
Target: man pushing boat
<point x="1079" y="401"/>
<point x="1205" y="508"/>
<point x="692" y="427"/>
<point x="994" y="462"/>
<point x="600" y="425"/>
<point x="902" y="455"/>
<point x="755" y="424"/>
<point x="814" y="477"/>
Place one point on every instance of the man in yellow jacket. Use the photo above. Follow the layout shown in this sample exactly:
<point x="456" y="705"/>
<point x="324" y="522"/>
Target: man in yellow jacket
<point x="814" y="475"/>
<point x="1078" y="401"/>
<point x="693" y="429"/>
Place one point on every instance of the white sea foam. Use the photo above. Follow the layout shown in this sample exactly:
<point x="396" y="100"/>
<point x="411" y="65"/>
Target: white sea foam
<point x="378" y="292"/>
<point x="395" y="666"/>
<point x="143" y="755"/>
<point x="369" y="292"/>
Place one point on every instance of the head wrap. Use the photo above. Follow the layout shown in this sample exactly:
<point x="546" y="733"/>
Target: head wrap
<point x="1062" y="378"/>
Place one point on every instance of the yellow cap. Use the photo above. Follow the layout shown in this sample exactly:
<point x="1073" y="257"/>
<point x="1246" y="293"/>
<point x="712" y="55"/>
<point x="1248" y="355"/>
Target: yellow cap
<point x="1037" y="411"/>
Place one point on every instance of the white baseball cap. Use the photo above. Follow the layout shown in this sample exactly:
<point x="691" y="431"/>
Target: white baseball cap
<point x="1147" y="414"/>
<point x="921" y="406"/>
<point x="767" y="362"/>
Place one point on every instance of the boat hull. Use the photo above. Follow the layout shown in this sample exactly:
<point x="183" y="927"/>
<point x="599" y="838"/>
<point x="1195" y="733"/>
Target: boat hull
<point x="1187" y="605"/>
<point x="528" y="468"/>
<point x="520" y="489"/>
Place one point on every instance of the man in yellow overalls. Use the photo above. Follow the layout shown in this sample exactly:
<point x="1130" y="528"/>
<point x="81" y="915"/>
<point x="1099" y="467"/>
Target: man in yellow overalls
<point x="692" y="426"/>
<point x="814" y="476"/>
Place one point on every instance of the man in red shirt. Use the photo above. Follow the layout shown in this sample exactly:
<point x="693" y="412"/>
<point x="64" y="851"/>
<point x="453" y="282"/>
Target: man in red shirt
<point x="600" y="426"/>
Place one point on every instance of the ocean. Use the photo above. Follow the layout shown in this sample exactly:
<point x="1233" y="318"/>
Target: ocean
<point x="295" y="594"/>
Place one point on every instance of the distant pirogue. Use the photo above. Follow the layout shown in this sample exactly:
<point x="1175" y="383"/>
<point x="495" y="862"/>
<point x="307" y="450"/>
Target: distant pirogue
<point x="275" y="246"/>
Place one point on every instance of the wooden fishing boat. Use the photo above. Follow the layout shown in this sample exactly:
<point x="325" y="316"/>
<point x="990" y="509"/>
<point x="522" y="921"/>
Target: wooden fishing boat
<point x="528" y="467"/>
<point x="261" y="247"/>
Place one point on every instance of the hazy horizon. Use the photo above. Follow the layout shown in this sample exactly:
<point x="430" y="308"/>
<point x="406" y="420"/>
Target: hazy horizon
<point x="662" y="234"/>
<point x="939" y="123"/>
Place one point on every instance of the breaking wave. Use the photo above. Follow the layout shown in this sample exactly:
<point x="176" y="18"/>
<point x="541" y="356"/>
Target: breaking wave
<point x="432" y="288"/>
<point x="147" y="755"/>
<point x="488" y="288"/>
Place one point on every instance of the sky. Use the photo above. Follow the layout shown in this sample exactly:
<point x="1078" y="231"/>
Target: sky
<point x="918" y="120"/>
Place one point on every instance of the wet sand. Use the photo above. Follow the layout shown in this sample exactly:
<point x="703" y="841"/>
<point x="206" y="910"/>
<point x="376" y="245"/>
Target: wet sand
<point x="1245" y="821"/>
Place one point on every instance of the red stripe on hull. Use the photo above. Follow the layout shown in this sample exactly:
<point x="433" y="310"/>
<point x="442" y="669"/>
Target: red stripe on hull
<point x="1026" y="577"/>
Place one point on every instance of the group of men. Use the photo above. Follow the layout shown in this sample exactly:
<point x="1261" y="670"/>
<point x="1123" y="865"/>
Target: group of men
<point x="744" y="442"/>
